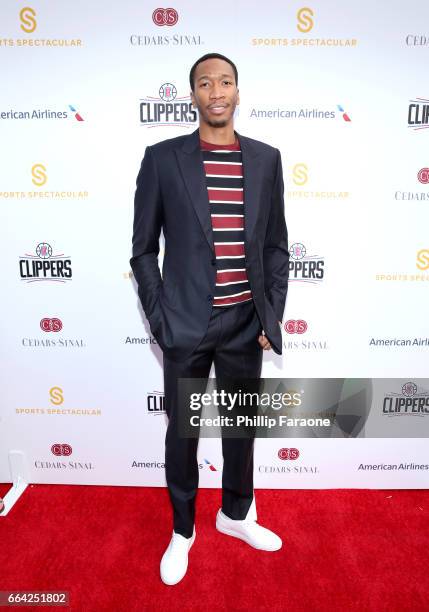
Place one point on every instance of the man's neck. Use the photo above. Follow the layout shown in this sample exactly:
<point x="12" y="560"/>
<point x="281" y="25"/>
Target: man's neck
<point x="220" y="136"/>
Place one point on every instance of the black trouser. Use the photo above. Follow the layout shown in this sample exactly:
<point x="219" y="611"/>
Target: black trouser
<point x="232" y="343"/>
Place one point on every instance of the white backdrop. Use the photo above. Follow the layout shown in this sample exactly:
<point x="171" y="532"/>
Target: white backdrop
<point x="329" y="84"/>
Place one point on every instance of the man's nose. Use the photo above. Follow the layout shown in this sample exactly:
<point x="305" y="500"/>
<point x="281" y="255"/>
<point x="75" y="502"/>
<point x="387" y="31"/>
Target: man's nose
<point x="216" y="91"/>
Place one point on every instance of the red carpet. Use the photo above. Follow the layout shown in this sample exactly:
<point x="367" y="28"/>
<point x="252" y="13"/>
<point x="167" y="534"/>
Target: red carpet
<point x="343" y="550"/>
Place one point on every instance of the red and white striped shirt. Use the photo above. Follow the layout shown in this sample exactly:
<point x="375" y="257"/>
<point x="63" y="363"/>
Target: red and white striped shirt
<point x="224" y="177"/>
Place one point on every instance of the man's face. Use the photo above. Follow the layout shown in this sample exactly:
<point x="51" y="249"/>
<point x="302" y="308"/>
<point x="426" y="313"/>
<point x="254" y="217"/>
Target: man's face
<point x="216" y="94"/>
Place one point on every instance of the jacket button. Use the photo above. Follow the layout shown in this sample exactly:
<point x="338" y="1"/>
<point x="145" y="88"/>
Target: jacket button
<point x="209" y="298"/>
<point x="213" y="262"/>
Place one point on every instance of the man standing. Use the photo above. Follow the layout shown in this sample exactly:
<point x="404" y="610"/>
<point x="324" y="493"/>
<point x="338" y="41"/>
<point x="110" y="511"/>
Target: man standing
<point x="218" y="197"/>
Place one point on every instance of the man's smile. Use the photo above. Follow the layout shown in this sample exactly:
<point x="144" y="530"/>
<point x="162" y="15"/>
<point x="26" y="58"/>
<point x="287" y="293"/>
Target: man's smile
<point x="217" y="109"/>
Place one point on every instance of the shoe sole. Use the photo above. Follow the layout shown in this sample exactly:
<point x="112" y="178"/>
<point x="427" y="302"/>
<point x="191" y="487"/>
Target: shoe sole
<point x="239" y="536"/>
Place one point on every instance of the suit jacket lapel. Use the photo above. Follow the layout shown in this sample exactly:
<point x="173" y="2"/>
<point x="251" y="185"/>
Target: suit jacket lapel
<point x="190" y="161"/>
<point x="252" y="179"/>
<point x="191" y="165"/>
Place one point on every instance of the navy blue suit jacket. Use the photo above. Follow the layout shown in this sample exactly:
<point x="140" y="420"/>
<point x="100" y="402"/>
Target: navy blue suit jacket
<point x="171" y="194"/>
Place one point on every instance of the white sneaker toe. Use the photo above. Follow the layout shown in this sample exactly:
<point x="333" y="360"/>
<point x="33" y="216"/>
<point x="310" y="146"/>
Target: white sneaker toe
<point x="174" y="562"/>
<point x="250" y="531"/>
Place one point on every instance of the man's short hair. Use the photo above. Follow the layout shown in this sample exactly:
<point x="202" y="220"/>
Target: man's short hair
<point x="211" y="56"/>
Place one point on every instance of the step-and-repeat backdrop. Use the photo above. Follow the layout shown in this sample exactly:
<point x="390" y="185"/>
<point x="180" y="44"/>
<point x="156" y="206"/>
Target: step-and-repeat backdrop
<point x="341" y="89"/>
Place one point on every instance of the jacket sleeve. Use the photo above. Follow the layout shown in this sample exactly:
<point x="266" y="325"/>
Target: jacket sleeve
<point x="276" y="254"/>
<point x="146" y="231"/>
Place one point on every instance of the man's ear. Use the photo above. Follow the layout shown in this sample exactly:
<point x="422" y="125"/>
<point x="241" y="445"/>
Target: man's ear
<point x="238" y="96"/>
<point x="193" y="99"/>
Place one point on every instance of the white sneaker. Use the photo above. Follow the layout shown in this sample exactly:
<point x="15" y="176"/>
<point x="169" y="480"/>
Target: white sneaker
<point x="174" y="562"/>
<point x="249" y="531"/>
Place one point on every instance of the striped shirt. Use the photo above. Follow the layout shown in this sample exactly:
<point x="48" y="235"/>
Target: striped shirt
<point x="224" y="178"/>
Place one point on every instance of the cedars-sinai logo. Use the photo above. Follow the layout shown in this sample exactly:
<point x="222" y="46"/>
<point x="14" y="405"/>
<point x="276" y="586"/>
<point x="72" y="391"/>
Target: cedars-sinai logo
<point x="168" y="36"/>
<point x="423" y="176"/>
<point x="295" y="326"/>
<point x="61" y="450"/>
<point x="44" y="265"/>
<point x="288" y="454"/>
<point x="52" y="324"/>
<point x="165" y="17"/>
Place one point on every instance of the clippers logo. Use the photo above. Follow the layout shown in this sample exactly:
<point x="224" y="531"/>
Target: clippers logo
<point x="51" y="325"/>
<point x="297" y="250"/>
<point x="423" y="176"/>
<point x="408" y="402"/>
<point x="165" y="16"/>
<point x="77" y="116"/>
<point x="44" y="250"/>
<point x="409" y="389"/>
<point x="28" y="22"/>
<point x="288" y="454"/>
<point x="297" y="326"/>
<point x="155" y="402"/>
<point x="44" y="266"/>
<point x="305" y="21"/>
<point x="305" y="268"/>
<point x="422" y="262"/>
<point x="345" y="115"/>
<point x="418" y="114"/>
<point x="61" y="450"/>
<point x="167" y="92"/>
<point x="167" y="109"/>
